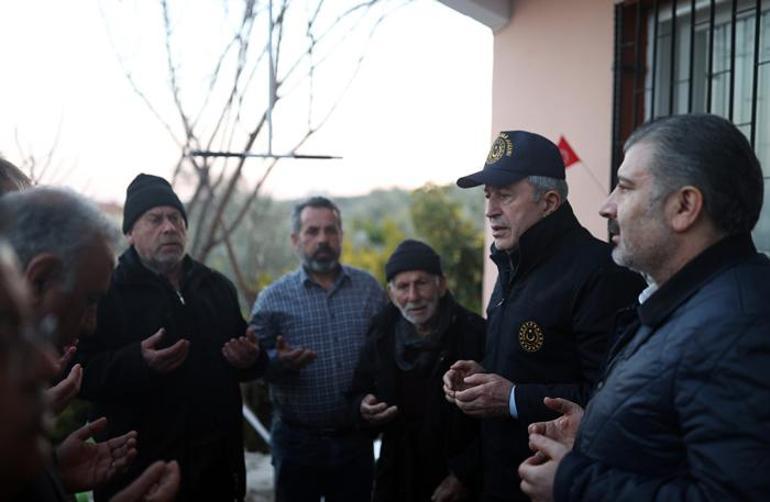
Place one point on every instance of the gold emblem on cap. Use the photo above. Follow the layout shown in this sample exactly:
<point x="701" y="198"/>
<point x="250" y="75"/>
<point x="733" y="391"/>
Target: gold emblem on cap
<point x="531" y="336"/>
<point x="501" y="146"/>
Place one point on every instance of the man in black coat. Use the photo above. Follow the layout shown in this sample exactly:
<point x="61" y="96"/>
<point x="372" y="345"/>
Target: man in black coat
<point x="550" y="314"/>
<point x="682" y="412"/>
<point x="169" y="352"/>
<point x="429" y="448"/>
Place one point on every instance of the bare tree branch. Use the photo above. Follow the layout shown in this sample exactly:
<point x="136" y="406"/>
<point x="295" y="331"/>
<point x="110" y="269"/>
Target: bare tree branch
<point x="173" y="76"/>
<point x="130" y="78"/>
<point x="232" y="112"/>
<point x="243" y="285"/>
<point x="341" y="18"/>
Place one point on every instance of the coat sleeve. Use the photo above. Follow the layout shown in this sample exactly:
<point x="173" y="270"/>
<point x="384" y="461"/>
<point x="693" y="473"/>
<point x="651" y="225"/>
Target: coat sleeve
<point x="113" y="367"/>
<point x="597" y="302"/>
<point x="260" y="366"/>
<point x="465" y="460"/>
<point x="363" y="379"/>
<point x="726" y="437"/>
<point x="239" y="329"/>
<point x="258" y="369"/>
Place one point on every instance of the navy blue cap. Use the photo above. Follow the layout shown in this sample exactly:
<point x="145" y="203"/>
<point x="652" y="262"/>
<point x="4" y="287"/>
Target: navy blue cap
<point x="514" y="156"/>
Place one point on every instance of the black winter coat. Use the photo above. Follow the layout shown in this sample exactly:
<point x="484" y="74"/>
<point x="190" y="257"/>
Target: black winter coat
<point x="683" y="412"/>
<point x="418" y="453"/>
<point x="549" y="320"/>
<point x="192" y="414"/>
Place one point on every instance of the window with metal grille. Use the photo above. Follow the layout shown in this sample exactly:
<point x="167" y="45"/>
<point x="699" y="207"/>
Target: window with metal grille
<point x="695" y="56"/>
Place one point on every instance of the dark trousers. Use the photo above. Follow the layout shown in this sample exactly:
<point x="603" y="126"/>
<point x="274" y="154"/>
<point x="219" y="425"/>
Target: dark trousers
<point x="311" y="464"/>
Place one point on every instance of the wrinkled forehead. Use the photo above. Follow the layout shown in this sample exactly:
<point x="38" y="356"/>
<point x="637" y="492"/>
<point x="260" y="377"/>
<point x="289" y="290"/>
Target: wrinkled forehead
<point x="411" y="276"/>
<point x="516" y="186"/>
<point x="162" y="212"/>
<point x="318" y="217"/>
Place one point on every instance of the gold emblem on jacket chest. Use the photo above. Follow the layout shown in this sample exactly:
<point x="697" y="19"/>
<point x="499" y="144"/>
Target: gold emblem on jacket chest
<point x="531" y="336"/>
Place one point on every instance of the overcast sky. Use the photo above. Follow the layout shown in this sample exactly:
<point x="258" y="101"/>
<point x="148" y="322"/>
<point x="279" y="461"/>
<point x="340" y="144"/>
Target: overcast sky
<point x="418" y="111"/>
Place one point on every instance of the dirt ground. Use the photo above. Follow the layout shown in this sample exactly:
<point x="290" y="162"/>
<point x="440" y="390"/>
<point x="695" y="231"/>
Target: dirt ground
<point x="259" y="478"/>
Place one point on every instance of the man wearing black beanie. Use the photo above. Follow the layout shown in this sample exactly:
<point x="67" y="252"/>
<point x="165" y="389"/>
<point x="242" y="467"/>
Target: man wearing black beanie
<point x="429" y="447"/>
<point x="145" y="192"/>
<point x="169" y="352"/>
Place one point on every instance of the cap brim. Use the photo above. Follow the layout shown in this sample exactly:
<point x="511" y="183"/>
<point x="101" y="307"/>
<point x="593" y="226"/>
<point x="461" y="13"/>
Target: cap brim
<point x="493" y="177"/>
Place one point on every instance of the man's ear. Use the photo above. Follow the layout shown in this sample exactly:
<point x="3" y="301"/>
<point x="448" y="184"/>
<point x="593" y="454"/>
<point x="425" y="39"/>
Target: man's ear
<point x="294" y="239"/>
<point x="389" y="290"/>
<point x="684" y="207"/>
<point x="130" y="238"/>
<point x="441" y="286"/>
<point x="42" y="271"/>
<point x="552" y="201"/>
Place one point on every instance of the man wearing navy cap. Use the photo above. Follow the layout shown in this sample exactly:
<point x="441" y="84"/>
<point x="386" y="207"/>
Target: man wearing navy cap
<point x="551" y="311"/>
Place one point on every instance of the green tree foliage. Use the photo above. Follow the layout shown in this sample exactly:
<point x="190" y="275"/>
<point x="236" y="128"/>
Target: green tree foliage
<point x="445" y="217"/>
<point x="370" y="245"/>
<point x="439" y="220"/>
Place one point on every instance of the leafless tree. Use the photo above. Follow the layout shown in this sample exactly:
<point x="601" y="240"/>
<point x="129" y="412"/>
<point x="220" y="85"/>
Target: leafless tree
<point x="246" y="84"/>
<point x="42" y="168"/>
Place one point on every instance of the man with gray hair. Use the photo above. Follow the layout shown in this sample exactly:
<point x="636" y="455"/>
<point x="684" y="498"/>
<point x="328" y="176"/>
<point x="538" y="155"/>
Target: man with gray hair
<point x="12" y="179"/>
<point x="313" y="321"/>
<point x="681" y="412"/>
<point x="65" y="248"/>
<point x="550" y="314"/>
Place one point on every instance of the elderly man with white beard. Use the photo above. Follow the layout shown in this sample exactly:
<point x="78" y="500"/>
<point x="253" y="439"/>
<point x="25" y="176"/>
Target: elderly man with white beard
<point x="429" y="447"/>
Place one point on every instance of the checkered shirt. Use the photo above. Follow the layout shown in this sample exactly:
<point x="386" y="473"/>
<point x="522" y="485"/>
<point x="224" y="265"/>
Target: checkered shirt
<point x="332" y="323"/>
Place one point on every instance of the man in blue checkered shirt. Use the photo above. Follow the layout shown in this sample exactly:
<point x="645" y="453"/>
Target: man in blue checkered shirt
<point x="313" y="322"/>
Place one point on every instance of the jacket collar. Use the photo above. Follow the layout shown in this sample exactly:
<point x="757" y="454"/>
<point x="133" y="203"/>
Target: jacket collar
<point x="539" y="241"/>
<point x="389" y="314"/>
<point x="689" y="279"/>
<point x="132" y="270"/>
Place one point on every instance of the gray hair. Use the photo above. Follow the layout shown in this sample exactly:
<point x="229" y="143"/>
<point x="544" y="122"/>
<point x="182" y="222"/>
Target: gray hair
<point x="57" y="221"/>
<point x="12" y="178"/>
<point x="544" y="184"/>
<point x="317" y="202"/>
<point x="711" y="154"/>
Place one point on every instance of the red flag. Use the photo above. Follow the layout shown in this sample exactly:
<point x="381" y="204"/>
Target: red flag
<point x="567" y="153"/>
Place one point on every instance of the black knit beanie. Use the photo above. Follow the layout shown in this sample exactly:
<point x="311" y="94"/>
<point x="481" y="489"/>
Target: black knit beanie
<point x="412" y="255"/>
<point x="144" y="193"/>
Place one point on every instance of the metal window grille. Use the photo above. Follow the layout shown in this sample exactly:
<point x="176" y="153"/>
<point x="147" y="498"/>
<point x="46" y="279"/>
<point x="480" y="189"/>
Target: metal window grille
<point x="682" y="56"/>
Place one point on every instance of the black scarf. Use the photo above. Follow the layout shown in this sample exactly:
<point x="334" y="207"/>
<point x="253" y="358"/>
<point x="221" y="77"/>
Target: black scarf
<point x="418" y="353"/>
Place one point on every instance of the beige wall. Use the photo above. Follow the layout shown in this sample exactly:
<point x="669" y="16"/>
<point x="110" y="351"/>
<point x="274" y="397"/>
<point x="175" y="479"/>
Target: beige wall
<point x="552" y="75"/>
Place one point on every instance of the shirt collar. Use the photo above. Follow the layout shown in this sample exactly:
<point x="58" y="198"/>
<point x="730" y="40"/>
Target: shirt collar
<point x="305" y="278"/>
<point x="538" y="242"/>
<point x="720" y="256"/>
<point x="647" y="292"/>
<point x="130" y="259"/>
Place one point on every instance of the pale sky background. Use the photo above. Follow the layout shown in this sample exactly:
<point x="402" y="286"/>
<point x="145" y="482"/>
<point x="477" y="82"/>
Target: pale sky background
<point x="419" y="110"/>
